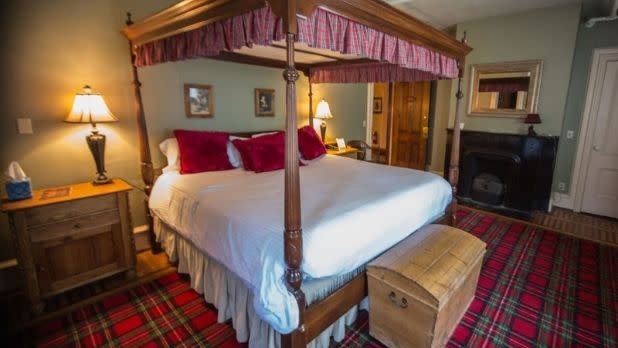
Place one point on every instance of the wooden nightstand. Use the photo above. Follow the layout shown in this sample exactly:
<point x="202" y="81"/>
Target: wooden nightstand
<point x="348" y="151"/>
<point x="68" y="241"/>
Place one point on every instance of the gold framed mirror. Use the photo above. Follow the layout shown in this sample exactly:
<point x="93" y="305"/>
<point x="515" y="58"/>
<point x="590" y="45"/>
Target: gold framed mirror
<point x="509" y="89"/>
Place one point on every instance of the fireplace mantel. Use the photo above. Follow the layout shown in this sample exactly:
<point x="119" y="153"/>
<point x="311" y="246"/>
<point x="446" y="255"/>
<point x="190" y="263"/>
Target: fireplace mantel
<point x="524" y="163"/>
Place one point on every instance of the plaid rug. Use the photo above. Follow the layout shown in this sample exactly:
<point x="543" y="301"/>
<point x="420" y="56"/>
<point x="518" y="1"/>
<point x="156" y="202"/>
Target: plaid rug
<point x="163" y="313"/>
<point x="537" y="288"/>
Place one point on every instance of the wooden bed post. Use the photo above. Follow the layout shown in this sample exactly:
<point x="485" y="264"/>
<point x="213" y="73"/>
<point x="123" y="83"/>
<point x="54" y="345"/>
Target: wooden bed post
<point x="293" y="234"/>
<point x="144" y="146"/>
<point x="453" y="172"/>
<point x="310" y="102"/>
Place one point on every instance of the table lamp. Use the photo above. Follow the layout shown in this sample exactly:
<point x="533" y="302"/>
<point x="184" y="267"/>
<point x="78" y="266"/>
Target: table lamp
<point x="323" y="113"/>
<point x="90" y="108"/>
<point x="532" y="119"/>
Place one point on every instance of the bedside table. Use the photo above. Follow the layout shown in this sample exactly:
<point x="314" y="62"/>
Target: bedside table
<point x="64" y="242"/>
<point x="347" y="152"/>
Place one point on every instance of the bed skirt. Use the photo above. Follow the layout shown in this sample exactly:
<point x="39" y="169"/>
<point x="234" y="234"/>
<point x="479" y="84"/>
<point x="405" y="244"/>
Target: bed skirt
<point x="233" y="300"/>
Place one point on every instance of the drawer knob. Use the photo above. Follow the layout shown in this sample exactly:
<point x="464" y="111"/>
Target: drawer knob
<point x="77" y="225"/>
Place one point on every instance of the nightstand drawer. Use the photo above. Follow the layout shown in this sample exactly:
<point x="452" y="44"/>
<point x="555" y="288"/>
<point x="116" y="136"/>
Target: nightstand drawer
<point x="73" y="228"/>
<point x="62" y="211"/>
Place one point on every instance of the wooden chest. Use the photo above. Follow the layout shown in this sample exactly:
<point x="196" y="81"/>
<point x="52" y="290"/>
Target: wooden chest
<point x="66" y="241"/>
<point x="420" y="289"/>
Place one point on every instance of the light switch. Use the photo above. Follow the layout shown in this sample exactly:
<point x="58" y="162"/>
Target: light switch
<point x="570" y="134"/>
<point x="24" y="126"/>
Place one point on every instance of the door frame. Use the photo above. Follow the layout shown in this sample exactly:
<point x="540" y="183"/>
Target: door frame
<point x="580" y="166"/>
<point x="369" y="118"/>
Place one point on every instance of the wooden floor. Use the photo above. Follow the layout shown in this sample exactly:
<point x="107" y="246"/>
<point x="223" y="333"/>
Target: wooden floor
<point x="599" y="229"/>
<point x="16" y="314"/>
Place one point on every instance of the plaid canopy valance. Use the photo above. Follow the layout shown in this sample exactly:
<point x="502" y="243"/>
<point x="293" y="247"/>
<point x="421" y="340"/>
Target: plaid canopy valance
<point x="396" y="59"/>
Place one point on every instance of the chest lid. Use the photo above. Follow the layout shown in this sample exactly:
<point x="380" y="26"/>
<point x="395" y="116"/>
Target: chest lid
<point x="431" y="263"/>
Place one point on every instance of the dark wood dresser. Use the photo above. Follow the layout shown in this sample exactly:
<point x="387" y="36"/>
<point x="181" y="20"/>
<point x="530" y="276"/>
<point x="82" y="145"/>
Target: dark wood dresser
<point x="504" y="172"/>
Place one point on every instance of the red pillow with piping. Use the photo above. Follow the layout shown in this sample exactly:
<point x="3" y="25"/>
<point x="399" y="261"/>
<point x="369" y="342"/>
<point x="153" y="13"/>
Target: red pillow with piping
<point x="202" y="151"/>
<point x="255" y="152"/>
<point x="309" y="143"/>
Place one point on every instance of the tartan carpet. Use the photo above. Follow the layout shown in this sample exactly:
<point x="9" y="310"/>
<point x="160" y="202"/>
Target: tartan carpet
<point x="162" y="313"/>
<point x="536" y="288"/>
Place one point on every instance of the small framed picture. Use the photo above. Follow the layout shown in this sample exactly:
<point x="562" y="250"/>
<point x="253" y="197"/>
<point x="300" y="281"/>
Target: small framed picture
<point x="377" y="105"/>
<point x="198" y="100"/>
<point x="340" y="143"/>
<point x="264" y="102"/>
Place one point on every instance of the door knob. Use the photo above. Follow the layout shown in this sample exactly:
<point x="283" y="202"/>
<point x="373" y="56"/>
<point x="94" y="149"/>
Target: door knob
<point x="596" y="148"/>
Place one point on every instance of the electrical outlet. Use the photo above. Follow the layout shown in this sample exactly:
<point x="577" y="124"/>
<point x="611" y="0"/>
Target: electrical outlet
<point x="561" y="186"/>
<point x="570" y="134"/>
<point x="24" y="126"/>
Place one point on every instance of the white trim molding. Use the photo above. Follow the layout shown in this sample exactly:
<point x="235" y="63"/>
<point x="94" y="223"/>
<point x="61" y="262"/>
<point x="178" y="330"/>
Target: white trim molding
<point x="580" y="166"/>
<point x="561" y="200"/>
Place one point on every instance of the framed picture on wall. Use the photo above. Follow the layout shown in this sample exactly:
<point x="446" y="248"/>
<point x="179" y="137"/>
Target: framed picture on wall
<point x="377" y="105"/>
<point x="264" y="102"/>
<point x="198" y="100"/>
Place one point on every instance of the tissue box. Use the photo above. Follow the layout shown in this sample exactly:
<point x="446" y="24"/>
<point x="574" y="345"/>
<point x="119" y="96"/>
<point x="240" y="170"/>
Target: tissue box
<point x="17" y="190"/>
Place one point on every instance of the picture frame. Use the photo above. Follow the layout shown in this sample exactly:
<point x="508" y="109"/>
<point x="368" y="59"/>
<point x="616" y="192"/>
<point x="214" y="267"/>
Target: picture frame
<point x="377" y="105"/>
<point x="199" y="101"/>
<point x="264" y="102"/>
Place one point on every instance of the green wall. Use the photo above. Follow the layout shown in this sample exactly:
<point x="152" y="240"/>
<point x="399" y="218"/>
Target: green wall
<point x="603" y="34"/>
<point x="548" y="34"/>
<point x="57" y="47"/>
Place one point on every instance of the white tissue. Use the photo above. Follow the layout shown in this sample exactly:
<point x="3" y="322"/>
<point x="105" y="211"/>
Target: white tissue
<point x="15" y="173"/>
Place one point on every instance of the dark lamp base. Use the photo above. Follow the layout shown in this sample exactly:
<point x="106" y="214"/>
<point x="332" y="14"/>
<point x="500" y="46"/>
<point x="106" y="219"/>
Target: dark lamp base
<point x="323" y="131"/>
<point x="531" y="131"/>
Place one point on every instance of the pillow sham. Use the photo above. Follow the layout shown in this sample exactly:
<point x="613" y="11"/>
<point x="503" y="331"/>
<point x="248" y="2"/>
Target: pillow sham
<point x="202" y="151"/>
<point x="264" y="153"/>
<point x="309" y="143"/>
<point x="169" y="147"/>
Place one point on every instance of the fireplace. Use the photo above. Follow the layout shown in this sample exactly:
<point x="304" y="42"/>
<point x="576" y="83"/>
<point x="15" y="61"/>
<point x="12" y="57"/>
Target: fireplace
<point x="508" y="173"/>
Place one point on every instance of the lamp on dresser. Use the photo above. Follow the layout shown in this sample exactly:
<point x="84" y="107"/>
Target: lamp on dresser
<point x="532" y="119"/>
<point x="323" y="113"/>
<point x="90" y="108"/>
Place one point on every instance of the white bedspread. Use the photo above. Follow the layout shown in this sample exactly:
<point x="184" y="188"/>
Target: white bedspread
<point x="351" y="212"/>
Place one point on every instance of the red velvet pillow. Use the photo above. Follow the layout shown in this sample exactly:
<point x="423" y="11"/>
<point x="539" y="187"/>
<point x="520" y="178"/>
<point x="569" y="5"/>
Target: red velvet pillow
<point x="263" y="153"/>
<point x="243" y="148"/>
<point x="309" y="143"/>
<point x="202" y="151"/>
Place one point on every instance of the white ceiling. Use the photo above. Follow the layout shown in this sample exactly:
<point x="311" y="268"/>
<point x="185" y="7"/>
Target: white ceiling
<point x="444" y="13"/>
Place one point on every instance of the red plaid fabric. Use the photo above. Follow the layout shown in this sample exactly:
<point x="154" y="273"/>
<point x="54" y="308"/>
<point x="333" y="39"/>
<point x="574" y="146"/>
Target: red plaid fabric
<point x="163" y="313"/>
<point x="537" y="288"/>
<point x="323" y="29"/>
<point x="260" y="27"/>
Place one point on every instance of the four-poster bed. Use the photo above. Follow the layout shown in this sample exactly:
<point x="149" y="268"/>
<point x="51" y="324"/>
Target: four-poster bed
<point x="391" y="46"/>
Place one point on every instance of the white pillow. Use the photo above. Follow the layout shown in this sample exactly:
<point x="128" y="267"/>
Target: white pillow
<point x="170" y="149"/>
<point x="263" y="134"/>
<point x="233" y="154"/>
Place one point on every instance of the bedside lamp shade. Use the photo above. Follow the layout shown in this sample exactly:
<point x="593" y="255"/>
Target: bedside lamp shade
<point x="323" y="112"/>
<point x="91" y="108"/>
<point x="532" y="119"/>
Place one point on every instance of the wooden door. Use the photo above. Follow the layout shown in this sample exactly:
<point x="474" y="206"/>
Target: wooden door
<point x="600" y="194"/>
<point x="410" y="124"/>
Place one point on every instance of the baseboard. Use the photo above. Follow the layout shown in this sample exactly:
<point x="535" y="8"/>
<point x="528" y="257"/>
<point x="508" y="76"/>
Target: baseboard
<point x="562" y="200"/>
<point x="10" y="278"/>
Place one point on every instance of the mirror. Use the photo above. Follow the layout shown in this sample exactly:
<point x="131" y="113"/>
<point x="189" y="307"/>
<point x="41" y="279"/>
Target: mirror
<point x="508" y="89"/>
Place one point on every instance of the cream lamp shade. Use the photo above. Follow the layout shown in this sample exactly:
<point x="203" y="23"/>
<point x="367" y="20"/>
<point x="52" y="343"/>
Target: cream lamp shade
<point x="323" y="111"/>
<point x="89" y="107"/>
